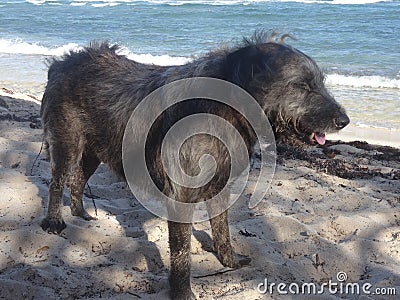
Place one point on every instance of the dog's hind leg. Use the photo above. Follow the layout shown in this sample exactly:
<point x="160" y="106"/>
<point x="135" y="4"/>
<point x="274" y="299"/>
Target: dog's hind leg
<point x="61" y="160"/>
<point x="77" y="181"/>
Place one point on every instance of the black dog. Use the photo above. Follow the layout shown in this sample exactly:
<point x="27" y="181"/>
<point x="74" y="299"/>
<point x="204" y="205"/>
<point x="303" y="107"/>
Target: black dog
<point x="91" y="94"/>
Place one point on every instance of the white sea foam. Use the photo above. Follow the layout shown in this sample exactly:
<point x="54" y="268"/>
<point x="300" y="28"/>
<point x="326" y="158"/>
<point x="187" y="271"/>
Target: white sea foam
<point x="101" y="3"/>
<point x="105" y="3"/>
<point x="363" y="81"/>
<point x="21" y="47"/>
<point x="78" y="3"/>
<point x="340" y="2"/>
<point x="161" y="60"/>
<point x="40" y="2"/>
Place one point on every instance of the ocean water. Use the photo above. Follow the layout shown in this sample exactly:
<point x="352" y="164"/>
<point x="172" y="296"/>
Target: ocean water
<point x="357" y="43"/>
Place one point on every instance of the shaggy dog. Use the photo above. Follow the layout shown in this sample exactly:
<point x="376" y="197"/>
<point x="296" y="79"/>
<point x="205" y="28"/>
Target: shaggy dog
<point x="91" y="94"/>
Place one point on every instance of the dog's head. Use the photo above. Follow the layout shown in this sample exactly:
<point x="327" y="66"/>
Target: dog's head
<point x="290" y="88"/>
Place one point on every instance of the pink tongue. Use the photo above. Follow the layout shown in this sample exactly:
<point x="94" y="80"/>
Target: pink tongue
<point x="320" y="138"/>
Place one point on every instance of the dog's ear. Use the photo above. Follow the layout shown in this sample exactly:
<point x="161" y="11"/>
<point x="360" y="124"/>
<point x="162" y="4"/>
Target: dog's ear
<point x="246" y="64"/>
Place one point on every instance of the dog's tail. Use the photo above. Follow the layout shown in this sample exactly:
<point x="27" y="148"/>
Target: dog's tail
<point x="43" y="147"/>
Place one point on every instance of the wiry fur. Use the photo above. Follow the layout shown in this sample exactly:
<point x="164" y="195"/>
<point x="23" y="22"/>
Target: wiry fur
<point x="91" y="94"/>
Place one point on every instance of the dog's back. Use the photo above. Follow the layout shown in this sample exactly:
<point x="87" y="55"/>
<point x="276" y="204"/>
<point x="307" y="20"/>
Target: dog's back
<point x="88" y="99"/>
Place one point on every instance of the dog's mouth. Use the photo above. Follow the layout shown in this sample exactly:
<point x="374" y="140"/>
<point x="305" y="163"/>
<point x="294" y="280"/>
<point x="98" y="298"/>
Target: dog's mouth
<point x="317" y="137"/>
<point x="308" y="133"/>
<point x="312" y="136"/>
<point x="309" y="137"/>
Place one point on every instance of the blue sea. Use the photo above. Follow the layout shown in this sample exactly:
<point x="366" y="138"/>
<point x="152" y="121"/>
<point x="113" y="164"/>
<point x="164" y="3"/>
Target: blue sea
<point x="357" y="43"/>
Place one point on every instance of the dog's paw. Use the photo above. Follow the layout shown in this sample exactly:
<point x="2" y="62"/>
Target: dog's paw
<point x="187" y="295"/>
<point x="53" y="225"/>
<point x="241" y="260"/>
<point x="235" y="261"/>
<point x="82" y="213"/>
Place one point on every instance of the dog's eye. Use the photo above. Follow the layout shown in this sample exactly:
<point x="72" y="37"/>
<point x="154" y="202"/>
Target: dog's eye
<point x="305" y="86"/>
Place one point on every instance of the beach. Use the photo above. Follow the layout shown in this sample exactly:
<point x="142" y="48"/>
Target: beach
<point x="329" y="224"/>
<point x="330" y="212"/>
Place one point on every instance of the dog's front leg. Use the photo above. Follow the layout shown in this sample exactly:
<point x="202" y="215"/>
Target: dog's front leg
<point x="218" y="212"/>
<point x="179" y="244"/>
<point x="222" y="243"/>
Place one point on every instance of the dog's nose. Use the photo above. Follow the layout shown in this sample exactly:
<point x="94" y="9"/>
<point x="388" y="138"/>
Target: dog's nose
<point x="341" y="121"/>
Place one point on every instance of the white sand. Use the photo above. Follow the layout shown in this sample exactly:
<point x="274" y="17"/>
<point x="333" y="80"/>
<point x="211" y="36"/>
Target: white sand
<point x="310" y="226"/>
